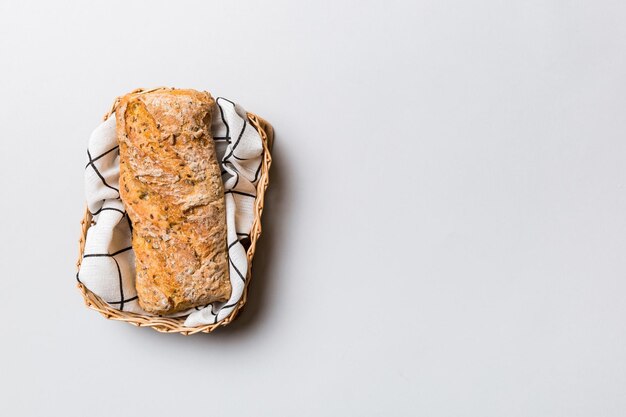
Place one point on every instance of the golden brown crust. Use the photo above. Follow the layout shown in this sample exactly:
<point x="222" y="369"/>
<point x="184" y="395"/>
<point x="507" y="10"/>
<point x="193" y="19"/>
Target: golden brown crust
<point x="171" y="187"/>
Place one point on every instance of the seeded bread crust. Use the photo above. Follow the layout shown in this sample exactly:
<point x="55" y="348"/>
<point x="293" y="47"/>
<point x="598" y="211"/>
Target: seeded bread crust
<point x="171" y="187"/>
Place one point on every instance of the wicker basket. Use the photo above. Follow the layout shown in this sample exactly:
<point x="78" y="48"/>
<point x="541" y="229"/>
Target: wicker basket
<point x="175" y="325"/>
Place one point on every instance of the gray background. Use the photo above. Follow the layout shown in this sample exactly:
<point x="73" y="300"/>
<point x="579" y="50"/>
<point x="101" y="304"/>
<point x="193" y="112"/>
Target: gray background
<point x="446" y="223"/>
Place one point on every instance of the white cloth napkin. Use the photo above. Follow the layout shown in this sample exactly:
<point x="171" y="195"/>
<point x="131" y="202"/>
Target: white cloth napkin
<point x="108" y="264"/>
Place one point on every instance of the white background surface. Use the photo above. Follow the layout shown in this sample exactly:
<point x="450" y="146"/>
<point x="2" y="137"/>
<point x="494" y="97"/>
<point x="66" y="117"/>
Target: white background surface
<point x="446" y="223"/>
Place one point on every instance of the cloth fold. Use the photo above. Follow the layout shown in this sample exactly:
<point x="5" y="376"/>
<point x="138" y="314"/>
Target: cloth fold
<point x="108" y="264"/>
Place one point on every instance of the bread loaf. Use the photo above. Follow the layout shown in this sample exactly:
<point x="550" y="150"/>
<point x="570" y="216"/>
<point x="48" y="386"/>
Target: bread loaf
<point x="172" y="190"/>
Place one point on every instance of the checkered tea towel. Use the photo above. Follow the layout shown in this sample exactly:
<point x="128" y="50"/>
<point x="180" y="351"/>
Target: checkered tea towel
<point x="108" y="264"/>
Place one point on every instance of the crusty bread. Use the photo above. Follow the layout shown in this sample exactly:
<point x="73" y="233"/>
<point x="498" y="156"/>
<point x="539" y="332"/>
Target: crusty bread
<point x="171" y="187"/>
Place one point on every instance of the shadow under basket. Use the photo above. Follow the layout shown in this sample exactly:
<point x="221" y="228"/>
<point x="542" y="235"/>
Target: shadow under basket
<point x="175" y="324"/>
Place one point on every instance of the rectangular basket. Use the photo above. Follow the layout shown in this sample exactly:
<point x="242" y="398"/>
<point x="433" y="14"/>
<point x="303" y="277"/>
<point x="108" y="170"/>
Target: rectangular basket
<point x="175" y="324"/>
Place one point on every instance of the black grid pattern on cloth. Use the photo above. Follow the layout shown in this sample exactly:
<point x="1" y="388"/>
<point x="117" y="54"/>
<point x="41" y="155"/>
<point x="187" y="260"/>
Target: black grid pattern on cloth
<point x="242" y="237"/>
<point x="100" y="210"/>
<point x="92" y="164"/>
<point x="122" y="300"/>
<point x="228" y="130"/>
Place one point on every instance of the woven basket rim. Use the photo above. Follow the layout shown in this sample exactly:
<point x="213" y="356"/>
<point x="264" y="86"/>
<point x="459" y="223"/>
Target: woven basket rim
<point x="175" y="324"/>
